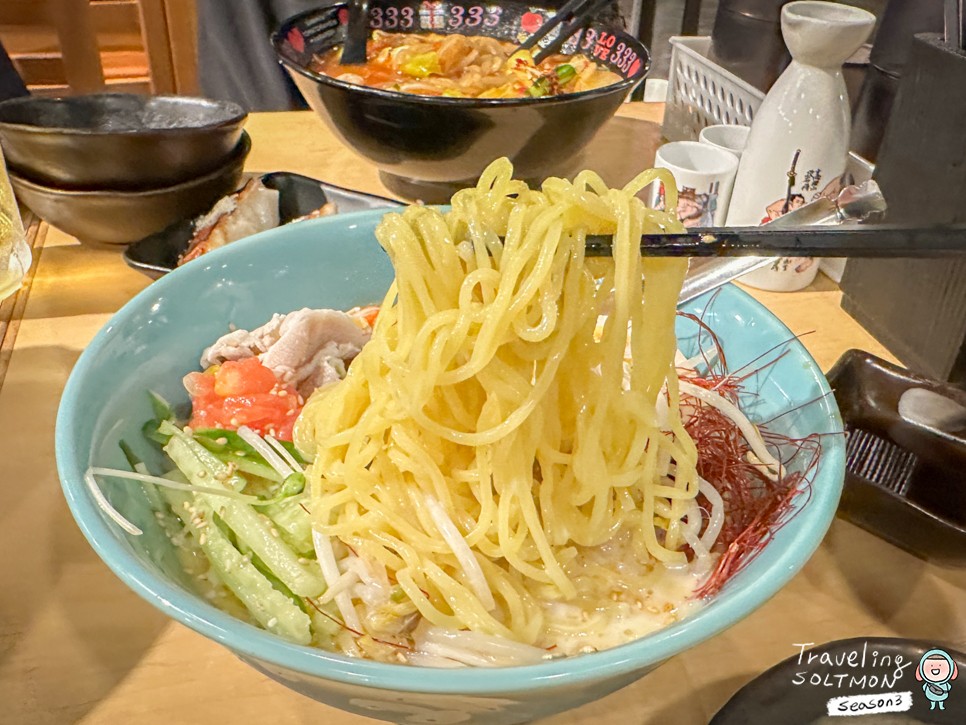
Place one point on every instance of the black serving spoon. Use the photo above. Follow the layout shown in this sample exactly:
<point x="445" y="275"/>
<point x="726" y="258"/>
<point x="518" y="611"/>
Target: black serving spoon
<point x="356" y="34"/>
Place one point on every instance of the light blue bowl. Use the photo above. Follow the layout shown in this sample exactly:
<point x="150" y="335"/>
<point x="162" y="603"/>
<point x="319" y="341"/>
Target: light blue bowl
<point x="336" y="262"/>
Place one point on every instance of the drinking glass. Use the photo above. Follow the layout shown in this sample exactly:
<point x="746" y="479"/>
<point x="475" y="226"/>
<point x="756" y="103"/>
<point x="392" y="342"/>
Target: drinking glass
<point x="14" y="252"/>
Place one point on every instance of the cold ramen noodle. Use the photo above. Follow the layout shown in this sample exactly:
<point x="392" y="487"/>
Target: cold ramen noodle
<point x="463" y="66"/>
<point x="506" y="461"/>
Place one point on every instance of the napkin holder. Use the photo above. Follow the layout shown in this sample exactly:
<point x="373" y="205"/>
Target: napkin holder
<point x="917" y="308"/>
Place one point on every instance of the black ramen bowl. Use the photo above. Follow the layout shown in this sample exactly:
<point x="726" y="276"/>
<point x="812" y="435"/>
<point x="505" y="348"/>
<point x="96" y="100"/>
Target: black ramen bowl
<point x="427" y="147"/>
<point x="118" y="140"/>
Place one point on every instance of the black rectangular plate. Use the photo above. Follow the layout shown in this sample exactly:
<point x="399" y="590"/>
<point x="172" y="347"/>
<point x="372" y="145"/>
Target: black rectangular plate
<point x="157" y="254"/>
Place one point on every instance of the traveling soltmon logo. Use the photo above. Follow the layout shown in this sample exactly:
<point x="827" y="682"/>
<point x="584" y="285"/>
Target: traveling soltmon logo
<point x="870" y="680"/>
<point x="876" y="682"/>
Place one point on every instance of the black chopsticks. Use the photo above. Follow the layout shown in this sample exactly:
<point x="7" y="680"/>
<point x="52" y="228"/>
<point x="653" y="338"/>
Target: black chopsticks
<point x="864" y="241"/>
<point x="356" y="34"/>
<point x="579" y="13"/>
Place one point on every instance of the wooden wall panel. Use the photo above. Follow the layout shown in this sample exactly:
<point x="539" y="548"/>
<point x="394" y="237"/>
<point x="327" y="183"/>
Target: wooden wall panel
<point x="143" y="45"/>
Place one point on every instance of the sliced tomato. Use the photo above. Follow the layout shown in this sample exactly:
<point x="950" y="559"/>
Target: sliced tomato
<point x="242" y="377"/>
<point x="369" y="314"/>
<point x="243" y="392"/>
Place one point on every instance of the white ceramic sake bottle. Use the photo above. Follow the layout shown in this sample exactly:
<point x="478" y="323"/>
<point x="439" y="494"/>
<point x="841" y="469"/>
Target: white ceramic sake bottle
<point x="799" y="141"/>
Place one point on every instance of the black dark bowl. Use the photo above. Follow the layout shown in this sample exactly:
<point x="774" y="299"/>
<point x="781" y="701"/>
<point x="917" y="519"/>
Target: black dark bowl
<point x="122" y="216"/>
<point x="117" y="140"/>
<point x="158" y="254"/>
<point x="427" y="147"/>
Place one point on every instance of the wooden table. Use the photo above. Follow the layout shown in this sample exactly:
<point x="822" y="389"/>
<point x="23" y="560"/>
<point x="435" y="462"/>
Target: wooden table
<point x="77" y="646"/>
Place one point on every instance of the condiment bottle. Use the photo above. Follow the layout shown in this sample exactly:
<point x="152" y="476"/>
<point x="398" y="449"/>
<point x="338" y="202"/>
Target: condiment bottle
<point x="798" y="145"/>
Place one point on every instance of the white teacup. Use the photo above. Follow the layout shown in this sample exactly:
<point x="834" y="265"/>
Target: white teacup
<point x="725" y="136"/>
<point x="705" y="177"/>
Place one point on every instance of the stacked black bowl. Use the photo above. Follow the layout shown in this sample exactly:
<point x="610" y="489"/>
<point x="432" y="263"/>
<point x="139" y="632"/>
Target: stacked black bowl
<point x="113" y="168"/>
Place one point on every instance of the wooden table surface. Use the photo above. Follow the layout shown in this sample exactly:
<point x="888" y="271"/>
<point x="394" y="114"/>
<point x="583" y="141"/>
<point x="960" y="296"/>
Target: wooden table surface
<point x="76" y="646"/>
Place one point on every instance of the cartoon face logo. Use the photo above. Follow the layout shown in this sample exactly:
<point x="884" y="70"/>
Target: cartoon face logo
<point x="936" y="670"/>
<point x="694" y="209"/>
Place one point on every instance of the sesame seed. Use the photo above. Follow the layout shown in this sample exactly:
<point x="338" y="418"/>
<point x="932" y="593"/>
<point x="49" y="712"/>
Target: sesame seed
<point x="202" y="539"/>
<point x="221" y="441"/>
<point x="233" y="422"/>
<point x="282" y="393"/>
<point x="272" y="622"/>
<point x="274" y="532"/>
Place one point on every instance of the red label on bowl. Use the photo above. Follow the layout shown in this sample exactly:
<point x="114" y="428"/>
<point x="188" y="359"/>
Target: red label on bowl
<point x="530" y="22"/>
<point x="296" y="40"/>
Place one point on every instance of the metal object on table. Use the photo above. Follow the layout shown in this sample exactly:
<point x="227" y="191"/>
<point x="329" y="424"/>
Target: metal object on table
<point x="864" y="203"/>
<point x="917" y="308"/>
<point x="747" y="40"/>
<point x="901" y="20"/>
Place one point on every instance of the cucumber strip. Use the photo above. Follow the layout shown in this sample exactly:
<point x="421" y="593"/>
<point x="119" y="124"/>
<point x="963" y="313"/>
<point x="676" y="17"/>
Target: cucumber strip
<point x="267" y="573"/>
<point x="150" y="490"/>
<point x="293" y="523"/>
<point x="210" y="438"/>
<point x="204" y="460"/>
<point x="269" y="607"/>
<point x="251" y="467"/>
<point x="202" y="468"/>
